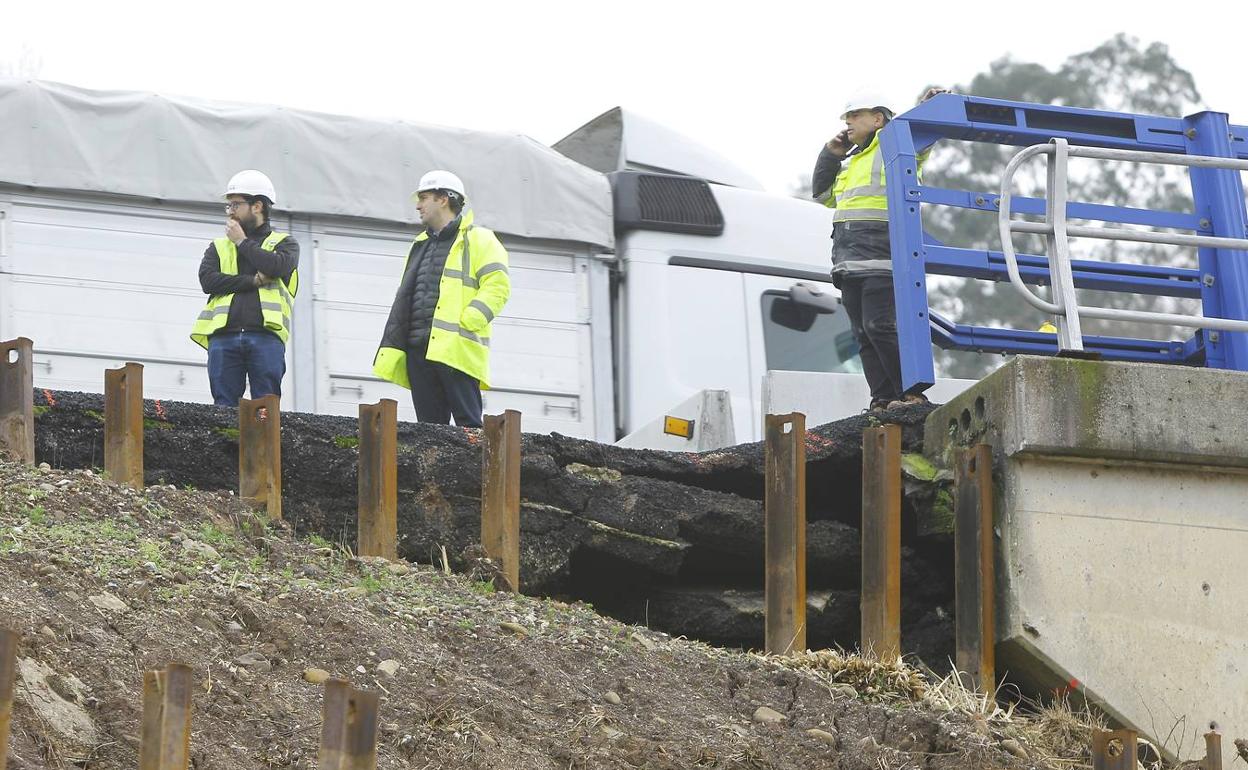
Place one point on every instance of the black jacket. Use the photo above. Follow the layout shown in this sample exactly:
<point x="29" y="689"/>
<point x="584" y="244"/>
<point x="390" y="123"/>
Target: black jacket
<point x="245" y="307"/>
<point x="827" y="166"/>
<point x="419" y="289"/>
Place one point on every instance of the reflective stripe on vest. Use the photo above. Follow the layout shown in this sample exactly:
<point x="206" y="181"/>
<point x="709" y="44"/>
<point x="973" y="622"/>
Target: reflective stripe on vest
<point x="277" y="299"/>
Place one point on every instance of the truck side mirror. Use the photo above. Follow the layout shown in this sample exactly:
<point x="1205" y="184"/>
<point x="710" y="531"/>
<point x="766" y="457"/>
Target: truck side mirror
<point x="789" y="314"/>
<point x="813" y="297"/>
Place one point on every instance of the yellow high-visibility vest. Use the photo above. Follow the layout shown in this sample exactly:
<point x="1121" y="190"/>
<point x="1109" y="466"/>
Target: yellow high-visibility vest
<point x="859" y="190"/>
<point x="276" y="299"/>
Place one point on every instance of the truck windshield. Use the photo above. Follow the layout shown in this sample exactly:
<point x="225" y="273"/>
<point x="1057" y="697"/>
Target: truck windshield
<point x="798" y="339"/>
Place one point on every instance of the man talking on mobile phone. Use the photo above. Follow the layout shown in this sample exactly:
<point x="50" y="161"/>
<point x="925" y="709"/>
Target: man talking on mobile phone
<point x="849" y="177"/>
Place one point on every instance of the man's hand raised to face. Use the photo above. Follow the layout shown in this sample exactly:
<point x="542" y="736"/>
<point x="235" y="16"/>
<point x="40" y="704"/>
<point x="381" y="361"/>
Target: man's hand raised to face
<point x="840" y="144"/>
<point x="234" y="231"/>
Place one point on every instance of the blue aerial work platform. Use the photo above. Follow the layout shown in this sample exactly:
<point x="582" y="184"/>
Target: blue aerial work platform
<point x="1214" y="150"/>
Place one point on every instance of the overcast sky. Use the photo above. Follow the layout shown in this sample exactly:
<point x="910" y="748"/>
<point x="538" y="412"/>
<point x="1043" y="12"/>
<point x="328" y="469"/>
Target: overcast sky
<point x="758" y="82"/>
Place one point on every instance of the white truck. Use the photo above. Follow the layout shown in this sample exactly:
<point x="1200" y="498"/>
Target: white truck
<point x="650" y="276"/>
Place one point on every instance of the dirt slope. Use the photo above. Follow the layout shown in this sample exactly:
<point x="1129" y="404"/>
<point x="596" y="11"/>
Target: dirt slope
<point x="105" y="582"/>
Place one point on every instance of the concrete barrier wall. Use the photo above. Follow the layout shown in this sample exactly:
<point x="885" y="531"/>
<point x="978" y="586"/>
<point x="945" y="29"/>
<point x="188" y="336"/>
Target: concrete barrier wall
<point x="1122" y="523"/>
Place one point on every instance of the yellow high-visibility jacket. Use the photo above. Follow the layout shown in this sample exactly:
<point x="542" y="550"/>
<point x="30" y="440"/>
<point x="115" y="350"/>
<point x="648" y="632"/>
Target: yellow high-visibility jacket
<point x="472" y="291"/>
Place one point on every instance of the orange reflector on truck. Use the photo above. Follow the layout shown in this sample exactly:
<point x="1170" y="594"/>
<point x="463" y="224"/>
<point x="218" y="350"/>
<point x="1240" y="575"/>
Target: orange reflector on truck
<point x="675" y="426"/>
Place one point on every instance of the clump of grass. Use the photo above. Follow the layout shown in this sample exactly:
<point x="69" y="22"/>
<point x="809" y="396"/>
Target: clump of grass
<point x="1061" y="733"/>
<point x="873" y="678"/>
<point x="952" y="694"/>
<point x="149" y="550"/>
<point x="346" y="442"/>
<point x="212" y="534"/>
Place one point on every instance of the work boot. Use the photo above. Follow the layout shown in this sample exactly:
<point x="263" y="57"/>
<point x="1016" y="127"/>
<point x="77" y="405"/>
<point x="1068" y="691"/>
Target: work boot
<point x="908" y="400"/>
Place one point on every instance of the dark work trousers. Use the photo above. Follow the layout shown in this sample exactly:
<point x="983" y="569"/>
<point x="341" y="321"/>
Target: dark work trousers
<point x="440" y="392"/>
<point x="873" y="316"/>
<point x="237" y="358"/>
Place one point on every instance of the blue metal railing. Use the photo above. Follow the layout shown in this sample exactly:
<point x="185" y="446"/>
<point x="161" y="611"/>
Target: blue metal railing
<point x="1220" y="281"/>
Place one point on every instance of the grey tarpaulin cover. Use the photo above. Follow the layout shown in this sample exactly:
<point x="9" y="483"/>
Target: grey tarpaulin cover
<point x="55" y="136"/>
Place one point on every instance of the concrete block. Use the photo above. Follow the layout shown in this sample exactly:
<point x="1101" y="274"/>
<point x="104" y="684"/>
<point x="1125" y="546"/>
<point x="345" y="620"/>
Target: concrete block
<point x="1122" y="519"/>
<point x="1101" y="410"/>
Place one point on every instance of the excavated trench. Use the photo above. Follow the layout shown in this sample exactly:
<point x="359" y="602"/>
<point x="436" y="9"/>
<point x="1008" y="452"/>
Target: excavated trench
<point x="670" y="540"/>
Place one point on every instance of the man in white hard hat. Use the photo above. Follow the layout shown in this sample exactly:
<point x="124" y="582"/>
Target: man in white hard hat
<point x="250" y="276"/>
<point x="849" y="176"/>
<point x="455" y="283"/>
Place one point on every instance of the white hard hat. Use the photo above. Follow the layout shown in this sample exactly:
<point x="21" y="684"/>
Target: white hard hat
<point x="251" y="182"/>
<point x="866" y="99"/>
<point x="440" y="180"/>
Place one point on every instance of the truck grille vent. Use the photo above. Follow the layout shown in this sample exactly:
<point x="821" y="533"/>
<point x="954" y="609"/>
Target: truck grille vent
<point x="667" y="202"/>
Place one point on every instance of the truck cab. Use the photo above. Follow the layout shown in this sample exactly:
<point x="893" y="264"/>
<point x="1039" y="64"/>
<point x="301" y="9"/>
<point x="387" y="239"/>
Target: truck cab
<point x="717" y="312"/>
<point x="716" y="282"/>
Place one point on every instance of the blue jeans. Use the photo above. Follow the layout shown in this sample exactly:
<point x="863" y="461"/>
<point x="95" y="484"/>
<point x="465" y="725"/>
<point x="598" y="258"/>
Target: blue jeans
<point x="236" y="358"/>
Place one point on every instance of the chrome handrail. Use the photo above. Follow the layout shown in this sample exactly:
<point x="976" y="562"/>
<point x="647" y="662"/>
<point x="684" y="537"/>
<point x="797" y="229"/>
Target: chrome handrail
<point x="1057" y="232"/>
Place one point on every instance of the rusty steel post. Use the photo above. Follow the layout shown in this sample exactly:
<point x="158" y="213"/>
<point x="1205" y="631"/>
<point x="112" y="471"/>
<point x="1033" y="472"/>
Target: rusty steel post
<point x="153" y="714"/>
<point x="1116" y="750"/>
<point x="8" y="675"/>
<point x="377" y="529"/>
<point x="123" y="424"/>
<point x="166" y="726"/>
<point x="1213" y="752"/>
<point x="500" y="494"/>
<point x="260" y="453"/>
<point x="17" y="399"/>
<point x="333" y="754"/>
<point x="175" y="721"/>
<point x="974" y="577"/>
<point x="362" y="730"/>
<point x="348" y="728"/>
<point x="785" y="533"/>
<point x="881" y="541"/>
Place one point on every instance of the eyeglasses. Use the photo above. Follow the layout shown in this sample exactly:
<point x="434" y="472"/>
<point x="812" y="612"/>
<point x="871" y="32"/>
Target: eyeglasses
<point x="232" y="206"/>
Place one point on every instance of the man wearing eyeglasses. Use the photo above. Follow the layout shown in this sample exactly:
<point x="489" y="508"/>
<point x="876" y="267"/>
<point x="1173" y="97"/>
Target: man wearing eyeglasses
<point x="250" y="276"/>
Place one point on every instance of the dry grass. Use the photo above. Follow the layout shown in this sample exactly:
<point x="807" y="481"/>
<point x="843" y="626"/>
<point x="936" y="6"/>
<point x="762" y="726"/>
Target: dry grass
<point x="873" y="679"/>
<point x="1062" y="734"/>
<point x="951" y="694"/>
<point x="1055" y="734"/>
